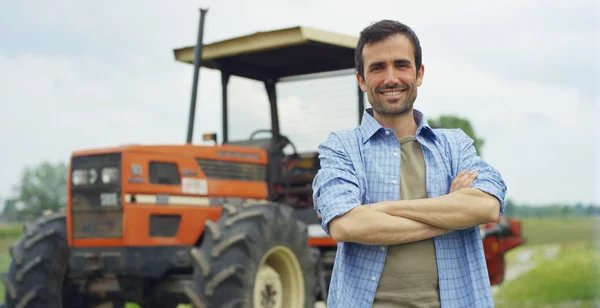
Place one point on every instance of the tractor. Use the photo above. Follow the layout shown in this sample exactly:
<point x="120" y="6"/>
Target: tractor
<point x="211" y="225"/>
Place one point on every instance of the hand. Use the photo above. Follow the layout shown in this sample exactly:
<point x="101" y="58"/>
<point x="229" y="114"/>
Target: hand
<point x="463" y="180"/>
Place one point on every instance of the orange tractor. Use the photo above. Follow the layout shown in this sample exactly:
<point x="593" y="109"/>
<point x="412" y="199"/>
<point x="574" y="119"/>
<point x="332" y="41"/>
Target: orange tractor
<point x="223" y="225"/>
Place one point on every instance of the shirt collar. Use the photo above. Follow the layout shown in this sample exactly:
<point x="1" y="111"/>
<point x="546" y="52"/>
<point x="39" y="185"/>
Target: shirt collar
<point x="369" y="126"/>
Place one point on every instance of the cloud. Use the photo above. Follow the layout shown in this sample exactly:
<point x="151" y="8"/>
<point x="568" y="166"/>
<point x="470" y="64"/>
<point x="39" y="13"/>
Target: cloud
<point x="55" y="105"/>
<point x="537" y="135"/>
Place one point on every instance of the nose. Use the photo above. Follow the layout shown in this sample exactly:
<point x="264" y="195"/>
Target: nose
<point x="390" y="77"/>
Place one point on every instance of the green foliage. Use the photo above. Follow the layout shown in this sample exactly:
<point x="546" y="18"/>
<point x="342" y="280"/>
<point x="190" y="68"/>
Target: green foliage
<point x="10" y="207"/>
<point x="43" y="187"/>
<point x="12" y="230"/>
<point x="568" y="279"/>
<point x="5" y="243"/>
<point x="449" y="121"/>
<point x="510" y="209"/>
<point x="549" y="210"/>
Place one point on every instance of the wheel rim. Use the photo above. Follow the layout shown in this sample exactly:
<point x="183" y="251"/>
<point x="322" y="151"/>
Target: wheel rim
<point x="279" y="281"/>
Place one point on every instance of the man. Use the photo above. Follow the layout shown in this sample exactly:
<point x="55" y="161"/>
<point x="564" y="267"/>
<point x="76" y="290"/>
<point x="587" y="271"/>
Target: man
<point x="396" y="196"/>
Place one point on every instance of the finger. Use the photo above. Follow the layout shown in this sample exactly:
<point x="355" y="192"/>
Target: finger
<point x="469" y="179"/>
<point x="464" y="179"/>
<point x="458" y="179"/>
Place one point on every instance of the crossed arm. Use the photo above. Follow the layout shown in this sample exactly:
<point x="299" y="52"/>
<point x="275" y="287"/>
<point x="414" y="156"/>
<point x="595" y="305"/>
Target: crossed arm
<point x="397" y="222"/>
<point x="464" y="208"/>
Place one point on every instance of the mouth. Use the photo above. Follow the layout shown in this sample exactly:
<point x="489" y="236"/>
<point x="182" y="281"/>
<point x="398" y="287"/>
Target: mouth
<point x="392" y="93"/>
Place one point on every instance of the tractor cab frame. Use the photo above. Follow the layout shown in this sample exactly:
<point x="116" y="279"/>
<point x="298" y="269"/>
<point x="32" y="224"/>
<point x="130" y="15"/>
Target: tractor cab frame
<point x="271" y="57"/>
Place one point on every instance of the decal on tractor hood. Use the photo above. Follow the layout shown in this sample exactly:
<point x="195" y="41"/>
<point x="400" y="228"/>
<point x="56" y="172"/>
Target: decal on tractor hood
<point x="194" y="186"/>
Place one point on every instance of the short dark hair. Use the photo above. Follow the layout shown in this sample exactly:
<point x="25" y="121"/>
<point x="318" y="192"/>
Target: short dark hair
<point x="380" y="31"/>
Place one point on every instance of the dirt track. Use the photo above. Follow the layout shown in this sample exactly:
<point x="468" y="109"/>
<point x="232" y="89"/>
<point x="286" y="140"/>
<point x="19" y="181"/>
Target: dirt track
<point x="524" y="261"/>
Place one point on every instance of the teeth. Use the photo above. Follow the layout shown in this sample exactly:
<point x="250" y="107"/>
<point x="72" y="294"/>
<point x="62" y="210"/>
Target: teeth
<point x="391" y="93"/>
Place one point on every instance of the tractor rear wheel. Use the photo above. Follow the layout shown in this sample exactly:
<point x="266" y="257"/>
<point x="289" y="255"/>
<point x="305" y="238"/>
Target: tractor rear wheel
<point x="254" y="256"/>
<point x="39" y="265"/>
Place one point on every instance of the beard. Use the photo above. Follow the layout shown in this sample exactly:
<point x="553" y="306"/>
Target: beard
<point x="391" y="107"/>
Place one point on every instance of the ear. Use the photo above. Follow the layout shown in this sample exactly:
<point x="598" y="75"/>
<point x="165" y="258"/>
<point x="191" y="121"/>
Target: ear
<point x="420" y="74"/>
<point x="361" y="82"/>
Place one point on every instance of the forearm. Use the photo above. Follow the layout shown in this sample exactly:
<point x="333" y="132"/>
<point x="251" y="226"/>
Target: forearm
<point x="370" y="227"/>
<point x="458" y="210"/>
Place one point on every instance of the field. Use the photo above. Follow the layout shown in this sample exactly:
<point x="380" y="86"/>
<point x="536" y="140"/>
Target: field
<point x="568" y="278"/>
<point x="566" y="257"/>
<point x="560" y="230"/>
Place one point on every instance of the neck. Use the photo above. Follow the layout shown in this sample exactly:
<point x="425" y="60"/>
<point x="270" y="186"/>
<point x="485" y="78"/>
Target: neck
<point x="403" y="125"/>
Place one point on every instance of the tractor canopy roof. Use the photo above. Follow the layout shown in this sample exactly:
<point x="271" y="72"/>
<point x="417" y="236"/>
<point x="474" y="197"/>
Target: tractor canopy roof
<point x="276" y="54"/>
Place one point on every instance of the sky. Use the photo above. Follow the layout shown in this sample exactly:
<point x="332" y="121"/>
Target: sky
<point x="79" y="75"/>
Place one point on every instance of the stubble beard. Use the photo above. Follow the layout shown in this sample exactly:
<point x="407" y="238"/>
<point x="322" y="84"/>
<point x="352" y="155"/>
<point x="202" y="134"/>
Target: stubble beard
<point x="400" y="108"/>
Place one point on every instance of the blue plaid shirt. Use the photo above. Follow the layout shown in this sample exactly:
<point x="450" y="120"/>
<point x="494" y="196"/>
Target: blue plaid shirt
<point x="362" y="166"/>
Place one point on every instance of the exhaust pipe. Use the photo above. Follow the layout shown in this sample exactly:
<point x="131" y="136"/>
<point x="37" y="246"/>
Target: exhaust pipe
<point x="197" y="63"/>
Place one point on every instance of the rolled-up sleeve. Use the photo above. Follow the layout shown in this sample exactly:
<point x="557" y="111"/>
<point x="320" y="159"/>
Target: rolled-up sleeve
<point x="335" y="187"/>
<point x="488" y="178"/>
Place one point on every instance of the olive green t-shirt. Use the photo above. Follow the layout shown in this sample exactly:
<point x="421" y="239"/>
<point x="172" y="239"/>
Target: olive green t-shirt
<point x="410" y="277"/>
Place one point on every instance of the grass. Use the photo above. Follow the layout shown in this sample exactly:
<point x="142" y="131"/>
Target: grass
<point x="10" y="231"/>
<point x="5" y="242"/>
<point x="559" y="230"/>
<point x="571" y="279"/>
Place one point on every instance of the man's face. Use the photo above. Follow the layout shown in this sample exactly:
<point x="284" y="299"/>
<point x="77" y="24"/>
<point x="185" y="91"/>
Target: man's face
<point x="391" y="78"/>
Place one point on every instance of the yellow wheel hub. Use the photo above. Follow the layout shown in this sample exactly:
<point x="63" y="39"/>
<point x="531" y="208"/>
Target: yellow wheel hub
<point x="279" y="282"/>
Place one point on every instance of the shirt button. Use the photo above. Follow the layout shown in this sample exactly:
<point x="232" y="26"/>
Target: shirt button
<point x="387" y="132"/>
<point x="373" y="278"/>
<point x="394" y="182"/>
<point x="382" y="248"/>
<point x="395" y="153"/>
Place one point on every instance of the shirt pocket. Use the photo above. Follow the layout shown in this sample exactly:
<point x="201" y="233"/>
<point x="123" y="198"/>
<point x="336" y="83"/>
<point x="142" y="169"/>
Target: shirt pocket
<point x="439" y="176"/>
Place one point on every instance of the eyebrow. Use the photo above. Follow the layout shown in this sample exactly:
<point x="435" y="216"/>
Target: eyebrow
<point x="399" y="61"/>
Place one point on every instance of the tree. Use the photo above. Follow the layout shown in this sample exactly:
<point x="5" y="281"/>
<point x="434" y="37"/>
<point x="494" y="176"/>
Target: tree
<point x="564" y="211"/>
<point x="591" y="211"/>
<point x="448" y="121"/>
<point x="10" y="207"/>
<point x="43" y="187"/>
<point x="510" y="209"/>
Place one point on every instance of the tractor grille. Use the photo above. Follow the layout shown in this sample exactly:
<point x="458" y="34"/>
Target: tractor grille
<point x="226" y="170"/>
<point x="96" y="206"/>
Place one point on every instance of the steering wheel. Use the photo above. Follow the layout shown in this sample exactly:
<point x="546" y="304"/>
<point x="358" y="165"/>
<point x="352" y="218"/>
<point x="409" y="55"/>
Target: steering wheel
<point x="258" y="131"/>
<point x="281" y="143"/>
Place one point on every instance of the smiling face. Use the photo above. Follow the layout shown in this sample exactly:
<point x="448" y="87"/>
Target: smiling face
<point x="391" y="78"/>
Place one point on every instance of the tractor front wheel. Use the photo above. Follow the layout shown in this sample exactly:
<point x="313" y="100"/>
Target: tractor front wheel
<point x="36" y="276"/>
<point x="254" y="256"/>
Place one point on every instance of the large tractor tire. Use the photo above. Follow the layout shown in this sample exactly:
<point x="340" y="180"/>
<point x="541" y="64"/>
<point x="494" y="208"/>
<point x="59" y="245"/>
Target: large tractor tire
<point x="254" y="256"/>
<point x="39" y="265"/>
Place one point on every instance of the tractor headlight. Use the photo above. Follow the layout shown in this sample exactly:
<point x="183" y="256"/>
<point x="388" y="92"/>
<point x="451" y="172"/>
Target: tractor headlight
<point x="79" y="177"/>
<point x="84" y="177"/>
<point x="110" y="175"/>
